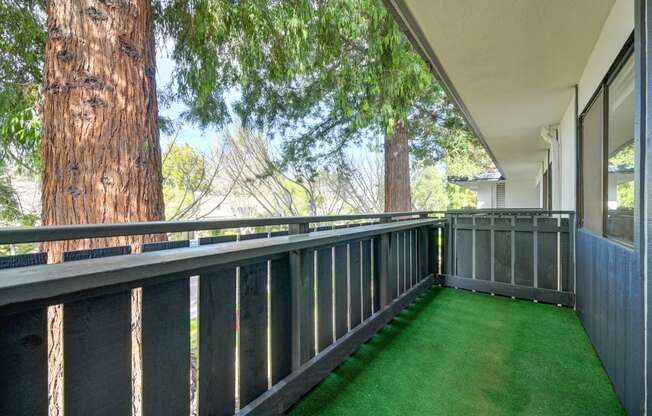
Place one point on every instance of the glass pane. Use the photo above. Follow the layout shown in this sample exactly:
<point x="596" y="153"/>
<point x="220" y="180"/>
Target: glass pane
<point x="620" y="188"/>
<point x="592" y="144"/>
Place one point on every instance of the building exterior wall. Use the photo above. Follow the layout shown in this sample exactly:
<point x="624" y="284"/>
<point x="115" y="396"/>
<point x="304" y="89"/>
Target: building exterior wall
<point x="485" y="195"/>
<point x="568" y="159"/>
<point x="617" y="28"/>
<point x="522" y="194"/>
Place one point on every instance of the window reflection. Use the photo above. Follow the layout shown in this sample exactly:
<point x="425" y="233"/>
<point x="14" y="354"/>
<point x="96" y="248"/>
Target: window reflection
<point x="621" y="156"/>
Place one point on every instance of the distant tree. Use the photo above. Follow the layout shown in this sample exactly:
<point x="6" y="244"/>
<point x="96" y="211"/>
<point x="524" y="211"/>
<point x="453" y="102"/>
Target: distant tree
<point x="194" y="182"/>
<point x="324" y="75"/>
<point x="251" y="162"/>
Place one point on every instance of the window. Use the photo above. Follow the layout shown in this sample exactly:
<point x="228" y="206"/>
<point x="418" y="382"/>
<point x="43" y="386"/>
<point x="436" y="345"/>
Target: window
<point x="592" y="143"/>
<point x="607" y="154"/>
<point x="620" y="154"/>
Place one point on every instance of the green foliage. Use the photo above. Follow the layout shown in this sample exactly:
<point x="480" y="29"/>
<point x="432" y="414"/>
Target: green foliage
<point x="322" y="75"/>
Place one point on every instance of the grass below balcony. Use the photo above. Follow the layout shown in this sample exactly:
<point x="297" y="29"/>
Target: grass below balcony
<point x="461" y="353"/>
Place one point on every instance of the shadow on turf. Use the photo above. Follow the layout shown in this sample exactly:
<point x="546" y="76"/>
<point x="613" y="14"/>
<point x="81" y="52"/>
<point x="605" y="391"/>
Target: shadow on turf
<point x="349" y="370"/>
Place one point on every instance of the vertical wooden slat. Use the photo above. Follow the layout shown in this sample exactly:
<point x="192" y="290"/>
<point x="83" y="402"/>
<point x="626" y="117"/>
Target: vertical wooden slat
<point x="366" y="279"/>
<point x="253" y="331"/>
<point x="376" y="272"/>
<point x="464" y="249"/>
<point x="97" y="355"/>
<point x="324" y="297"/>
<point x="566" y="283"/>
<point x="483" y="250"/>
<point x="217" y="299"/>
<point x="524" y="254"/>
<point x="355" y="283"/>
<point x="383" y="267"/>
<point x="503" y="252"/>
<point x="302" y="275"/>
<point x="414" y="257"/>
<point x="166" y="348"/>
<point x="341" y="289"/>
<point x="281" y="319"/>
<point x="547" y="266"/>
<point x="395" y="264"/>
<point x="23" y="364"/>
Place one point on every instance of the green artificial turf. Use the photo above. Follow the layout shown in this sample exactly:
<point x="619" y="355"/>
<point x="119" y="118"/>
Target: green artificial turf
<point x="461" y="353"/>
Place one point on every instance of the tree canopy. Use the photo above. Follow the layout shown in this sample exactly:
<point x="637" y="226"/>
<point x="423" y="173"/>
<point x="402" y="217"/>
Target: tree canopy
<point x="322" y="75"/>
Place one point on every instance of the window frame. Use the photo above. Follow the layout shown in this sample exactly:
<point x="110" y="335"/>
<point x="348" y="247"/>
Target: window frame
<point x="626" y="52"/>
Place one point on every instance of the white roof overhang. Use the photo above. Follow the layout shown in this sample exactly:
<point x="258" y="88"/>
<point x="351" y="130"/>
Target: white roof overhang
<point x="511" y="66"/>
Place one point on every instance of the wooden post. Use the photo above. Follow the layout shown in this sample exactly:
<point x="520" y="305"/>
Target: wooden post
<point x="302" y="280"/>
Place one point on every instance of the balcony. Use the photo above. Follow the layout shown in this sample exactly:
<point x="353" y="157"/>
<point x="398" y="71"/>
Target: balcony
<point x="343" y="318"/>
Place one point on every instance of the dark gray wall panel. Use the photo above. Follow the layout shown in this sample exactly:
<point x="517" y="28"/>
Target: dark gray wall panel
<point x="609" y="304"/>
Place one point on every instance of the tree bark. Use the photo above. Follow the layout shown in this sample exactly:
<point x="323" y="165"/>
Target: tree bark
<point x="101" y="152"/>
<point x="397" y="171"/>
<point x="100" y="148"/>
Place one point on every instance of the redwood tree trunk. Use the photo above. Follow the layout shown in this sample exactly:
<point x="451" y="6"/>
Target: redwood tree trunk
<point x="101" y="152"/>
<point x="397" y="171"/>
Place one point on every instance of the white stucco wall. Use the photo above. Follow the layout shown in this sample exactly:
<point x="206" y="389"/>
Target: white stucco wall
<point x="485" y="195"/>
<point x="522" y="194"/>
<point x="567" y="155"/>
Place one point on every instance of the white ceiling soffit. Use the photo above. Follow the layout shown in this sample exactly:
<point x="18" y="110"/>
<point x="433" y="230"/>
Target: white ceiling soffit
<point x="510" y="65"/>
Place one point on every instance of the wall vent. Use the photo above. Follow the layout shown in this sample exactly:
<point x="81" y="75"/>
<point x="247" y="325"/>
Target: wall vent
<point x="500" y="195"/>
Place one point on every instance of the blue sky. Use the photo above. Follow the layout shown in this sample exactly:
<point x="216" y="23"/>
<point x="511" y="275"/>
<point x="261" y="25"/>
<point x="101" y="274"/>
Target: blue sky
<point x="191" y="134"/>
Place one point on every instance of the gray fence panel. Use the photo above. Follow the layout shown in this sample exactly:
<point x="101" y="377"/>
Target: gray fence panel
<point x="281" y="319"/>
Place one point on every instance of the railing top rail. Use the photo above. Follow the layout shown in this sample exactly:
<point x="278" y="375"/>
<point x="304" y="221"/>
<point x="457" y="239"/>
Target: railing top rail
<point x="48" y="281"/>
<point x="509" y="211"/>
<point x="15" y="235"/>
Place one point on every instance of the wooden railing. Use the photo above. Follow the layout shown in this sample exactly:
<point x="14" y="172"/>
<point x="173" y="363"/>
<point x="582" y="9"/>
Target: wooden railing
<point x="527" y="254"/>
<point x="299" y="304"/>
